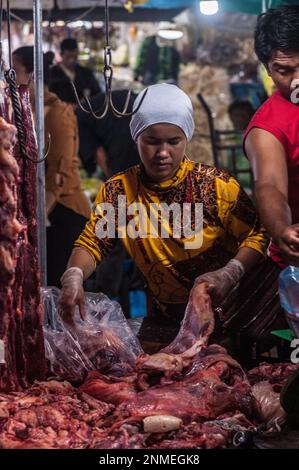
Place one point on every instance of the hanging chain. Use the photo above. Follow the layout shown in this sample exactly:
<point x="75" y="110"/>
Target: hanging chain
<point x="10" y="77"/>
<point x="108" y="71"/>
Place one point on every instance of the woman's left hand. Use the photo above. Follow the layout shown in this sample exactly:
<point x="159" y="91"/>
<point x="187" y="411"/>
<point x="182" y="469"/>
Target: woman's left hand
<point x="219" y="283"/>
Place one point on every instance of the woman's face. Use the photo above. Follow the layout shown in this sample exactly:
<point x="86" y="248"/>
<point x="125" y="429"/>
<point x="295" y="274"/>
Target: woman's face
<point x="161" y="148"/>
<point x="22" y="76"/>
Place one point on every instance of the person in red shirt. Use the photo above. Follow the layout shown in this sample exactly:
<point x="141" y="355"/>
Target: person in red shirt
<point x="271" y="141"/>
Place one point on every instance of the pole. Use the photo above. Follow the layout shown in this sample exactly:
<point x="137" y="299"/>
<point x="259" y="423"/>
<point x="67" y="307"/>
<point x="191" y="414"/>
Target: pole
<point x="39" y="126"/>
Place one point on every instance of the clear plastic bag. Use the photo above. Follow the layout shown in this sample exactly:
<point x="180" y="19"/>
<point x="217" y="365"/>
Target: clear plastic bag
<point x="103" y="341"/>
<point x="289" y="296"/>
<point x="270" y="408"/>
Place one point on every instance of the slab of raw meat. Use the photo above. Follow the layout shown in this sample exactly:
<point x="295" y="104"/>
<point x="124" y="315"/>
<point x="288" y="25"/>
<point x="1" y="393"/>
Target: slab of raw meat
<point x="21" y="334"/>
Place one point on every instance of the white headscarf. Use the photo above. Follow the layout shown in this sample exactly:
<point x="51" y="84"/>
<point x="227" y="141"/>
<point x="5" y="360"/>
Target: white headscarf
<point x="163" y="103"/>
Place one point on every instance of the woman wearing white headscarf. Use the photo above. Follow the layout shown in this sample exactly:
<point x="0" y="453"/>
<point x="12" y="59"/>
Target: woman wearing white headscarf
<point x="232" y="241"/>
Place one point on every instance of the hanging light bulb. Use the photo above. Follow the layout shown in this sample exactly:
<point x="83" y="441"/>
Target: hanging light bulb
<point x="208" y="7"/>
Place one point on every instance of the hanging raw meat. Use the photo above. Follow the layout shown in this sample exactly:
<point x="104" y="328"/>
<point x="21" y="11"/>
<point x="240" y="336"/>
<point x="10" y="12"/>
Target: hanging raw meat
<point x="22" y="356"/>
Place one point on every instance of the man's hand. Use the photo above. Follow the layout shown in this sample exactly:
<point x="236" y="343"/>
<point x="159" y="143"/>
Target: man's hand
<point x="288" y="243"/>
<point x="71" y="295"/>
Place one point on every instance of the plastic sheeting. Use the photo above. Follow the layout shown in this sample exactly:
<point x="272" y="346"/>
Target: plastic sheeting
<point x="69" y="10"/>
<point x="250" y="6"/>
<point x="104" y="341"/>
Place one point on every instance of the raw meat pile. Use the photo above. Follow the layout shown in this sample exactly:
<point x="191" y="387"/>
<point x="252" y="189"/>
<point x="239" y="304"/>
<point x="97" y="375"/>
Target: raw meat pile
<point x="21" y="337"/>
<point x="49" y="415"/>
<point x="275" y="374"/>
<point x="189" y="395"/>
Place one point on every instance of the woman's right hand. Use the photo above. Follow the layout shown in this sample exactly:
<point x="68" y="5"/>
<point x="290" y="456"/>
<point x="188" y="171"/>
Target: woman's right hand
<point x="71" y="295"/>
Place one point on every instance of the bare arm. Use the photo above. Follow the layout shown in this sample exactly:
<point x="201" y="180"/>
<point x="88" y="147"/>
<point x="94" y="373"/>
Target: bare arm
<point x="268" y="160"/>
<point x="248" y="257"/>
<point x="80" y="258"/>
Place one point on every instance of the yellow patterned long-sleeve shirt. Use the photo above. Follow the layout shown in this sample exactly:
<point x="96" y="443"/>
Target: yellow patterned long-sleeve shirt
<point x="170" y="267"/>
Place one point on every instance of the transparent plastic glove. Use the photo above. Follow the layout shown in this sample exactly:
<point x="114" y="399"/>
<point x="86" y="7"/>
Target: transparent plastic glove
<point x="71" y="295"/>
<point x="221" y="282"/>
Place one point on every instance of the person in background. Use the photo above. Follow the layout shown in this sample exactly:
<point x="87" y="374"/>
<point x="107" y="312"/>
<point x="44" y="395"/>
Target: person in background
<point x="107" y="142"/>
<point x="69" y="70"/>
<point x="67" y="207"/>
<point x="271" y="141"/>
<point x="157" y="62"/>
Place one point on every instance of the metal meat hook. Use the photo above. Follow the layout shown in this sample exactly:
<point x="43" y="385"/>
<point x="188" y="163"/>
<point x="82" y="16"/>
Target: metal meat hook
<point x="108" y="74"/>
<point x="10" y="77"/>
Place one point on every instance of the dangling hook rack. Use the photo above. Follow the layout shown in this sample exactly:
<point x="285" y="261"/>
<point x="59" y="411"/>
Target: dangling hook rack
<point x="108" y="75"/>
